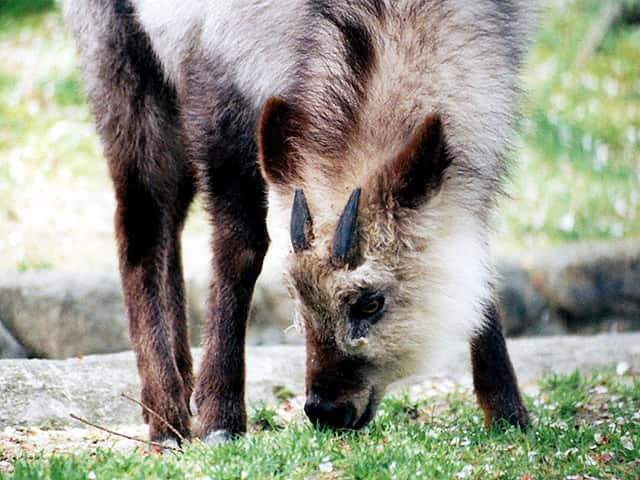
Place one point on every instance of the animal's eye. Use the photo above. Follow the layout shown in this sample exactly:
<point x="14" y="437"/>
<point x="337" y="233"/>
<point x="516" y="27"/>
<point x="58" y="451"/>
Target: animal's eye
<point x="368" y="305"/>
<point x="372" y="307"/>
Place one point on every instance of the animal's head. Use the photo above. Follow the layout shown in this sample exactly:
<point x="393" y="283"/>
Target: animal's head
<point x="384" y="261"/>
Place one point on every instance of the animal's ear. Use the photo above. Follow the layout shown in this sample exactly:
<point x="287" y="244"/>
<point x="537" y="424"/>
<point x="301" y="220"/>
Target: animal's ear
<point x="416" y="174"/>
<point x="275" y="132"/>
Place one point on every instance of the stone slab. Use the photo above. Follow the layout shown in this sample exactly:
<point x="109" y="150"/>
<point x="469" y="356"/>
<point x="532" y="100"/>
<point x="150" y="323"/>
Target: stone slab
<point x="42" y="393"/>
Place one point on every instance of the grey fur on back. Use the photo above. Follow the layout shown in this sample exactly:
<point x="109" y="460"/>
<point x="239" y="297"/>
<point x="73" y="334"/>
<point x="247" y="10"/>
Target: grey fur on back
<point x="459" y="57"/>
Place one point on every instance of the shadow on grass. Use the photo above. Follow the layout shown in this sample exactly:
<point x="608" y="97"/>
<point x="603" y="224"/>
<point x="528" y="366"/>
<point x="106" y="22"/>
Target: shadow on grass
<point x="15" y="9"/>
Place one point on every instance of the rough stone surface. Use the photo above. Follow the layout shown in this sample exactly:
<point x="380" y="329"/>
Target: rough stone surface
<point x="62" y="315"/>
<point x="9" y="346"/>
<point x="42" y="393"/>
<point x="523" y="309"/>
<point x="587" y="284"/>
<point x="582" y="288"/>
<point x="59" y="315"/>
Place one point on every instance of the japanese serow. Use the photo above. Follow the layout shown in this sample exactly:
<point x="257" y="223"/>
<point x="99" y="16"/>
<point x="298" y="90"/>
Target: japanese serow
<point x="377" y="130"/>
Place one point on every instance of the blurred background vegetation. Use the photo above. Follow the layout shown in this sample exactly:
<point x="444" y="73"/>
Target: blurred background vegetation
<point x="576" y="176"/>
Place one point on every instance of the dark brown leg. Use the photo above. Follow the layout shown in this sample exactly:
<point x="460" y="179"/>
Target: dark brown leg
<point x="494" y="380"/>
<point x="137" y="117"/>
<point x="154" y="189"/>
<point x="239" y="250"/>
<point x="176" y="300"/>
<point x="154" y="297"/>
<point x="224" y="154"/>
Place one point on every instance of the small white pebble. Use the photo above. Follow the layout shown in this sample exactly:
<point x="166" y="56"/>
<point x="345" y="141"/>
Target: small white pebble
<point x="601" y="390"/>
<point x="465" y="472"/>
<point x="326" y="467"/>
<point x="567" y="453"/>
<point x="623" y="368"/>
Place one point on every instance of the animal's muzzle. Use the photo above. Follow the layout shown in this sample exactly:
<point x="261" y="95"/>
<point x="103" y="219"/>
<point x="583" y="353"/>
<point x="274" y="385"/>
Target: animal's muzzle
<point x="327" y="413"/>
<point x="338" y="416"/>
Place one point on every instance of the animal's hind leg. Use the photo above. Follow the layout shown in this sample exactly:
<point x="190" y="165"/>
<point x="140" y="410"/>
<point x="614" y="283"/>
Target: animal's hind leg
<point x="493" y="376"/>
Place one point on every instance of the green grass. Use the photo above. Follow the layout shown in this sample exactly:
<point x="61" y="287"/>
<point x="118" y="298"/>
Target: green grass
<point x="578" y="174"/>
<point x="17" y="9"/>
<point x="584" y="427"/>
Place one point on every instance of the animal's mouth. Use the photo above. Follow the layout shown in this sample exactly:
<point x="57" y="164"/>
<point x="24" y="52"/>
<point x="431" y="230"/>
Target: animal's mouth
<point x="342" y="415"/>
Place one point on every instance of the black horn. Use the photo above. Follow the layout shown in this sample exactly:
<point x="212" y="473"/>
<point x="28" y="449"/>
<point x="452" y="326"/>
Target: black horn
<point x="347" y="231"/>
<point x="301" y="225"/>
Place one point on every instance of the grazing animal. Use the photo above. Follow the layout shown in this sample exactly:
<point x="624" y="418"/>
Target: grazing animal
<point x="377" y="129"/>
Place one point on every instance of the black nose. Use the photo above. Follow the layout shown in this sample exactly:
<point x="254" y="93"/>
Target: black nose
<point x="326" y="413"/>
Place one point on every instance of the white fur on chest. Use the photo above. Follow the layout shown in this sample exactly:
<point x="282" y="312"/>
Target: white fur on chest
<point x="254" y="39"/>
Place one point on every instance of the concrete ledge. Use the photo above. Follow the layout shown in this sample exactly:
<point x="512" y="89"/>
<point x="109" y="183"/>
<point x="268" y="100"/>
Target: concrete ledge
<point x="43" y="393"/>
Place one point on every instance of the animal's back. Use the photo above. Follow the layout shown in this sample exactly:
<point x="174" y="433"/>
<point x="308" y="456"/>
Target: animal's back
<point x="260" y="42"/>
<point x="253" y="42"/>
<point x="367" y="72"/>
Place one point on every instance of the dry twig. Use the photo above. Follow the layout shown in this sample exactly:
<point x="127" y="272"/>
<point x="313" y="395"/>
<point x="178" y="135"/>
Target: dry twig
<point x="122" y="435"/>
<point x="162" y="419"/>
